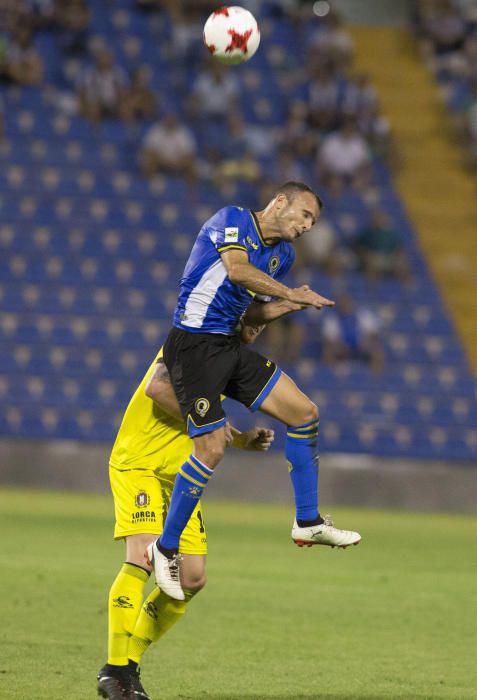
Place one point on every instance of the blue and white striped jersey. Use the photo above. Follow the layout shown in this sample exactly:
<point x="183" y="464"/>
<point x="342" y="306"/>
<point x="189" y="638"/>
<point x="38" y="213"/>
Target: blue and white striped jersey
<point x="208" y="301"/>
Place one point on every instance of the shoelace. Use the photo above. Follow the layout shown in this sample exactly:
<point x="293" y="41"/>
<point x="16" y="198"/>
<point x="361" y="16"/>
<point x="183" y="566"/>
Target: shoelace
<point x="328" y="520"/>
<point x="174" y="567"/>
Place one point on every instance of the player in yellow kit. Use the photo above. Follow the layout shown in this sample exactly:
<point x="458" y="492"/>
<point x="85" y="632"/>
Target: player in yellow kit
<point x="150" y="447"/>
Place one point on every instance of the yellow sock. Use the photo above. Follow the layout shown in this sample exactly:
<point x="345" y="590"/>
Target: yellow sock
<point x="158" y="614"/>
<point x="124" y="605"/>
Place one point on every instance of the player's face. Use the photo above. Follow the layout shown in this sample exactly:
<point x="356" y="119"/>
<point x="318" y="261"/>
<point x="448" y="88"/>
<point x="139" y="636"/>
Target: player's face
<point x="296" y="216"/>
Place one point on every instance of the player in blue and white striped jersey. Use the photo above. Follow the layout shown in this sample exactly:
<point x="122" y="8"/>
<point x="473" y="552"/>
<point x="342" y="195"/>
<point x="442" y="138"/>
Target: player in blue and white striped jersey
<point x="235" y="265"/>
<point x="209" y="302"/>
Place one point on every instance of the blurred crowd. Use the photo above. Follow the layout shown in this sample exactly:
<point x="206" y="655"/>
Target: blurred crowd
<point x="447" y="34"/>
<point x="332" y="133"/>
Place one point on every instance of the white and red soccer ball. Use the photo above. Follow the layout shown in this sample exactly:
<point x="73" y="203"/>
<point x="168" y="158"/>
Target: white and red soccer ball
<point x="232" y="35"/>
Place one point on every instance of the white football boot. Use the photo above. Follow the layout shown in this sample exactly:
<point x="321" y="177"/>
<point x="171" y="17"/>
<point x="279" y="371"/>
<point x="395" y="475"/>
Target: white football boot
<point x="166" y="571"/>
<point x="324" y="534"/>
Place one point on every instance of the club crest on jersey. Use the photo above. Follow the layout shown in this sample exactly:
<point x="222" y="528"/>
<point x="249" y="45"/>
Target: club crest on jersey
<point x="201" y="407"/>
<point x="273" y="263"/>
<point x="142" y="499"/>
<point x="231" y="234"/>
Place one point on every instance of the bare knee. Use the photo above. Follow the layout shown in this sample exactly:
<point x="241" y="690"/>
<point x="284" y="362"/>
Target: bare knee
<point x="308" y="413"/>
<point x="194" y="583"/>
<point x="193" y="578"/>
<point x="136" y="549"/>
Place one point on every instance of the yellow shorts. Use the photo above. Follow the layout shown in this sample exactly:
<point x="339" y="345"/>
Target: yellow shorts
<point x="141" y="501"/>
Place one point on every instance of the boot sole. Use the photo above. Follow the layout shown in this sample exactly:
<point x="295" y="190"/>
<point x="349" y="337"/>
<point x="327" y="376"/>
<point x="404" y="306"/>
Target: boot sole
<point x="308" y="543"/>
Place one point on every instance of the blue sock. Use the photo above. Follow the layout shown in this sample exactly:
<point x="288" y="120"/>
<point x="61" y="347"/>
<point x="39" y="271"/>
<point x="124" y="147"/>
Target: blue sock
<point x="189" y="485"/>
<point x="301" y="451"/>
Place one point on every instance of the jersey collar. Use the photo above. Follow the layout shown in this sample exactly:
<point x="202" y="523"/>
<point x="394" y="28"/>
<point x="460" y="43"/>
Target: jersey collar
<point x="259" y="230"/>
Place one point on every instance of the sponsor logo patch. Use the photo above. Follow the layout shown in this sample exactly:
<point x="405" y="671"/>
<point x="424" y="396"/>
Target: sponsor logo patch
<point x="231" y="234"/>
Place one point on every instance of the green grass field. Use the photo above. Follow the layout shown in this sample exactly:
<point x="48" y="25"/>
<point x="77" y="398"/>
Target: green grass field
<point x="395" y="617"/>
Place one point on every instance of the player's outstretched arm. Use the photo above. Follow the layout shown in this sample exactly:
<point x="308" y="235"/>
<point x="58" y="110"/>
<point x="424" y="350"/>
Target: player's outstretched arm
<point x="260" y="313"/>
<point x="243" y="273"/>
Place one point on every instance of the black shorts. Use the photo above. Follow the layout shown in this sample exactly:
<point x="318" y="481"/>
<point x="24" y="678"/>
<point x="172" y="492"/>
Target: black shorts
<point x="204" y="366"/>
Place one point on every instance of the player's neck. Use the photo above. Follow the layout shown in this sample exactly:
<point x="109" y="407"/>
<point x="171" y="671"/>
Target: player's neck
<point x="268" y="229"/>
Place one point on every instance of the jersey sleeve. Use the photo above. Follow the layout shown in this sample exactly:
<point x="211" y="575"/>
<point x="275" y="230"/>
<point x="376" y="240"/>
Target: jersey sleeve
<point x="230" y="230"/>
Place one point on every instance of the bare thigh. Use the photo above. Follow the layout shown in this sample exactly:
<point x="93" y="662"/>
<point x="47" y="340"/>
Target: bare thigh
<point x="288" y="404"/>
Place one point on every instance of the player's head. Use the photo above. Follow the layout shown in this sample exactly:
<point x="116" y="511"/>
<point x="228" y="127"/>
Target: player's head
<point x="295" y="208"/>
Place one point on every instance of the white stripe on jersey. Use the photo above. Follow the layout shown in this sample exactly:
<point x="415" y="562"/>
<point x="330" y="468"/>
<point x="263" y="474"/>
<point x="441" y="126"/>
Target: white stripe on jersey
<point x="203" y="295"/>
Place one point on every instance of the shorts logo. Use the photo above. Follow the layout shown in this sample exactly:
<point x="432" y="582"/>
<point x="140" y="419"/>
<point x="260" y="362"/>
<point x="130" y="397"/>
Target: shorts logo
<point x="273" y="264"/>
<point x="231" y="234"/>
<point x="142" y="499"/>
<point x="201" y="407"/>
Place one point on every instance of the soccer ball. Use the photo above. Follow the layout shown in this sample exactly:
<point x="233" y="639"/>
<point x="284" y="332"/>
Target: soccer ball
<point x="232" y="35"/>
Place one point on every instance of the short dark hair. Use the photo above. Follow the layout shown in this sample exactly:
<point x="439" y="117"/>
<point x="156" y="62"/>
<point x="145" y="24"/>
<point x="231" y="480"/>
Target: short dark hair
<point x="292" y="188"/>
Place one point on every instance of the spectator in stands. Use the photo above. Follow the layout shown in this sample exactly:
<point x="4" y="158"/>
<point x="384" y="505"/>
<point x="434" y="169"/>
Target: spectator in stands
<point x="443" y="25"/>
<point x="331" y="43"/>
<point x="381" y="249"/>
<point x="139" y="101"/>
<point x="169" y="147"/>
<point x="42" y="13"/>
<point x="256" y="138"/>
<point x="469" y="55"/>
<point x="22" y="62"/>
<point x="186" y="45"/>
<point x="287" y="167"/>
<point x="2" y="122"/>
<point x="73" y="18"/>
<point x="376" y="129"/>
<point x="11" y="11"/>
<point x="296" y="133"/>
<point x="283" y="339"/>
<point x="350" y="332"/>
<point x="242" y="167"/>
<point x="359" y="97"/>
<point x="324" y="98"/>
<point x="345" y="154"/>
<point x="322" y="248"/>
<point x="214" y="94"/>
<point x="102" y="88"/>
<point x="466" y="124"/>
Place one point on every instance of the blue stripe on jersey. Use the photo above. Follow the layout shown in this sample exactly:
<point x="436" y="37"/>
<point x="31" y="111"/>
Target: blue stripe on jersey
<point x="208" y="301"/>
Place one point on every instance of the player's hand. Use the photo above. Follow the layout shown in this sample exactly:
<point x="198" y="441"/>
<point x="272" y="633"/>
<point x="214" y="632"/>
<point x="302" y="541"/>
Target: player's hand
<point x="259" y="439"/>
<point x="305" y="295"/>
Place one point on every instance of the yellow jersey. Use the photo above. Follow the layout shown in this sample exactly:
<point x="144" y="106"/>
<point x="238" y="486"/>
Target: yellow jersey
<point x="148" y="438"/>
